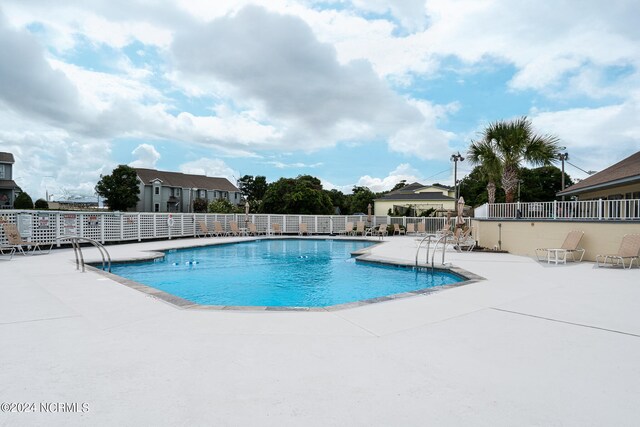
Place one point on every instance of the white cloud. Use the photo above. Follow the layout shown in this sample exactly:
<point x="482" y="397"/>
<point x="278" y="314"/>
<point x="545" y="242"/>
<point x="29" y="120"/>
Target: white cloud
<point x="210" y="167"/>
<point x="281" y="165"/>
<point x="146" y="156"/>
<point x="595" y="137"/>
<point x="404" y="171"/>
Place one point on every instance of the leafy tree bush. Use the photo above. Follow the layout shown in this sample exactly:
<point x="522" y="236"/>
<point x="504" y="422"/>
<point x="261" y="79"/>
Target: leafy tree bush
<point x="23" y="201"/>
<point x="301" y="195"/>
<point x="41" y="204"/>
<point x="361" y="198"/>
<point x="200" y="205"/>
<point x="221" y="206"/>
<point x="120" y="189"/>
<point x="253" y="190"/>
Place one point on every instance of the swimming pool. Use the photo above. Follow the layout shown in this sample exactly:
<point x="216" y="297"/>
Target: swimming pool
<point x="278" y="273"/>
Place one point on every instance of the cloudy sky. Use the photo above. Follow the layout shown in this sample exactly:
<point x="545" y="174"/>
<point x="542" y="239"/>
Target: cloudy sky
<point x="360" y="92"/>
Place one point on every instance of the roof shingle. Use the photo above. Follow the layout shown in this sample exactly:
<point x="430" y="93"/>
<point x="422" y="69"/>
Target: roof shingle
<point x="183" y="180"/>
<point x="625" y="170"/>
<point x="6" y="157"/>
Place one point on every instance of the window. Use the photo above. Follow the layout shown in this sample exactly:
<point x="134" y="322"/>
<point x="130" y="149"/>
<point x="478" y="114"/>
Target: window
<point x="235" y="195"/>
<point x="2" y="172"/>
<point x="156" y="207"/>
<point x="156" y="190"/>
<point x="177" y="191"/>
<point x="202" y="193"/>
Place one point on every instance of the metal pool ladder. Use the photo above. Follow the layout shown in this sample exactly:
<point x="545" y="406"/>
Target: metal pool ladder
<point x="428" y="238"/>
<point x="77" y="250"/>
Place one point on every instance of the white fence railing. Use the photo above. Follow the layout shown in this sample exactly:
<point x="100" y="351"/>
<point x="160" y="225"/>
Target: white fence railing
<point x="601" y="209"/>
<point x="46" y="226"/>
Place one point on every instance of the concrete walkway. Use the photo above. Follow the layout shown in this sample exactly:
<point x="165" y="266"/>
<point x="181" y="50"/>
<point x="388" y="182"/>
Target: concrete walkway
<point x="534" y="344"/>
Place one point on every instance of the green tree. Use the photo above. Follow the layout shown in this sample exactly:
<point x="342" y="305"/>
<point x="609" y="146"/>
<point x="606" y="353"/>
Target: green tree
<point x="199" y="205"/>
<point x="506" y="145"/>
<point x="361" y="197"/>
<point x="23" y="201"/>
<point x="301" y="195"/>
<point x="399" y="185"/>
<point x="339" y="200"/>
<point x="120" y="189"/>
<point x="221" y="206"/>
<point x="541" y="184"/>
<point x="41" y="204"/>
<point x="253" y="190"/>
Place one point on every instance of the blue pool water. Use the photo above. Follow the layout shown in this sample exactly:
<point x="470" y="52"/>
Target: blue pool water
<point x="279" y="273"/>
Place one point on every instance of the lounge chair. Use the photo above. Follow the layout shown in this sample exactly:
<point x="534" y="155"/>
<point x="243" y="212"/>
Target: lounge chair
<point x="235" y="231"/>
<point x="16" y="241"/>
<point x="6" y="250"/>
<point x="359" y="228"/>
<point x="303" y="229"/>
<point x="464" y="240"/>
<point x="275" y="229"/>
<point x="203" y="230"/>
<point x="629" y="248"/>
<point x="569" y="247"/>
<point x="381" y="231"/>
<point x="410" y="229"/>
<point x="218" y="230"/>
<point x="253" y="230"/>
<point x="422" y="229"/>
<point x="398" y="230"/>
<point x="348" y="229"/>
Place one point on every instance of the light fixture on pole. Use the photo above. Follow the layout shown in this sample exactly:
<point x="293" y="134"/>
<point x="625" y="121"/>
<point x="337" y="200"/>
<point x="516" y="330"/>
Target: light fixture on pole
<point x="563" y="157"/>
<point x="455" y="158"/>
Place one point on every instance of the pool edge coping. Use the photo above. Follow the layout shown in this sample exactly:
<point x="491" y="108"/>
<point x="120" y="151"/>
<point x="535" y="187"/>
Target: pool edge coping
<point x="362" y="255"/>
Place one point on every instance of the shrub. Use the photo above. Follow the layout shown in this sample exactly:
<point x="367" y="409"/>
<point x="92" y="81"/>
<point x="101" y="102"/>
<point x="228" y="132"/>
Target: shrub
<point x="199" y="205"/>
<point x="41" y="204"/>
<point x="23" y="201"/>
<point x="221" y="206"/>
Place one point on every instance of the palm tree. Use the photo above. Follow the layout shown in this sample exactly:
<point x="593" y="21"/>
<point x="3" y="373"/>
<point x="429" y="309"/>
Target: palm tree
<point x="482" y="153"/>
<point x="505" y="145"/>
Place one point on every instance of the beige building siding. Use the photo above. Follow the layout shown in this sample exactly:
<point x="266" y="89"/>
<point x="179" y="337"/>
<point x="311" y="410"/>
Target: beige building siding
<point x="522" y="237"/>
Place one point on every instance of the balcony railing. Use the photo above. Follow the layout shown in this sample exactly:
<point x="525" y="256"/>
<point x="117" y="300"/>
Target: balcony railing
<point x="627" y="209"/>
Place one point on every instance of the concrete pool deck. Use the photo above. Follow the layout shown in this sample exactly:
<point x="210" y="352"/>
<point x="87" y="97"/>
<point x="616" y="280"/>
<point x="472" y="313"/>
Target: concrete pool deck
<point x="533" y="344"/>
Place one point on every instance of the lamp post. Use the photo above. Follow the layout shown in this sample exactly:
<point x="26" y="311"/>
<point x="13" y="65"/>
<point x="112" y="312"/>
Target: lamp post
<point x="455" y="158"/>
<point x="563" y="157"/>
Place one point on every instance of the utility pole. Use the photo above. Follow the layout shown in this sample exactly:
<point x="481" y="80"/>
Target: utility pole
<point x="563" y="157"/>
<point x="455" y="158"/>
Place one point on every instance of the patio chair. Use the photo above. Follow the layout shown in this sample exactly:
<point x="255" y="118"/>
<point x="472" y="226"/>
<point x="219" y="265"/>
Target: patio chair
<point x="359" y="228"/>
<point x="218" y="230"/>
<point x="381" y="231"/>
<point x="235" y="231"/>
<point x="629" y="248"/>
<point x="9" y="249"/>
<point x="15" y="240"/>
<point x="348" y="229"/>
<point x="253" y="230"/>
<point x="203" y="230"/>
<point x="411" y="229"/>
<point x="464" y="240"/>
<point x="275" y="229"/>
<point x="398" y="230"/>
<point x="303" y="229"/>
<point x="569" y="247"/>
<point x="422" y="229"/>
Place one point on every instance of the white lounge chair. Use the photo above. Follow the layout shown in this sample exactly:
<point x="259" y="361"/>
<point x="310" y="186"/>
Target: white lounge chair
<point x="629" y="249"/>
<point x="569" y="247"/>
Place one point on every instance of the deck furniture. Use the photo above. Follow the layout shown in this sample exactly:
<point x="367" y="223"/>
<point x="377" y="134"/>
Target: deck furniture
<point x="629" y="249"/>
<point x="569" y="247"/>
<point x="15" y="240"/>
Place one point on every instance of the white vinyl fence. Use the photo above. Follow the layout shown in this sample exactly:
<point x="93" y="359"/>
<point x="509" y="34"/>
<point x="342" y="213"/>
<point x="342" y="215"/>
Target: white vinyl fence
<point x="628" y="209"/>
<point x="47" y="226"/>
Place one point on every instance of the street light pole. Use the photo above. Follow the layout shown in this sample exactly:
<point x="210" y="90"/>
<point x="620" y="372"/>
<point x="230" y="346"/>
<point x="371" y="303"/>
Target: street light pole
<point x="563" y="157"/>
<point x="455" y="158"/>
